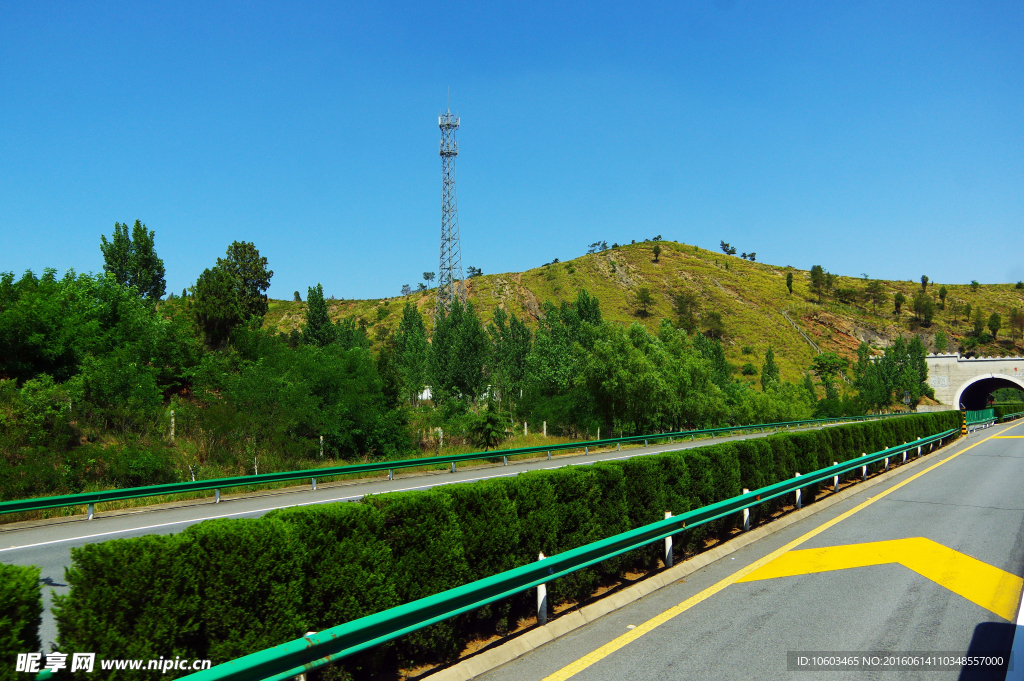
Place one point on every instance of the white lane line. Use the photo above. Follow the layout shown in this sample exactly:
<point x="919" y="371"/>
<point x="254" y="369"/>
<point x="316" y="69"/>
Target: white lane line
<point x="334" y="499"/>
<point x="231" y="515"/>
<point x="1016" y="672"/>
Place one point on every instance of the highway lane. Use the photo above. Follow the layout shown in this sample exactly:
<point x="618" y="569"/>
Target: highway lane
<point x="973" y="503"/>
<point x="48" y="543"/>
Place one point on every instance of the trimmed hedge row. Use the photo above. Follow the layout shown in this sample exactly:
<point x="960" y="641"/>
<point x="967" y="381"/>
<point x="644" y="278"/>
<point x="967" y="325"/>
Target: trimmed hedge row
<point x="1005" y="409"/>
<point x="21" y="613"/>
<point x="226" y="588"/>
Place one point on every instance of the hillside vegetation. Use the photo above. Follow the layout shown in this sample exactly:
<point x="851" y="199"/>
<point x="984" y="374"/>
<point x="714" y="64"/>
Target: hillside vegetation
<point x="105" y="381"/>
<point x="752" y="298"/>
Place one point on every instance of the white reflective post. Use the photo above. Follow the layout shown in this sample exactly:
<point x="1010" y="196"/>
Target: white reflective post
<point x="314" y="484"/>
<point x="799" y="496"/>
<point x="92" y="511"/>
<point x="668" y="544"/>
<point x="746" y="514"/>
<point x="835" y="479"/>
<point x="864" y="470"/>
<point x="542" y="599"/>
<point x="216" y="496"/>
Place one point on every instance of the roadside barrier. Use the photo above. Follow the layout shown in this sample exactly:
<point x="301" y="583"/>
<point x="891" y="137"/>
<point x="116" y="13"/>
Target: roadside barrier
<point x="291" y="659"/>
<point x="90" y="499"/>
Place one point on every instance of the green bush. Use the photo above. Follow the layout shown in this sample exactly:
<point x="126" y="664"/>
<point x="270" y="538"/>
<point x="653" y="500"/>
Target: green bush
<point x="21" y="613"/>
<point x="224" y="588"/>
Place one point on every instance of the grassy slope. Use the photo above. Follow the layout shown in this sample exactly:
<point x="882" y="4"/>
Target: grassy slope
<point x="749" y="296"/>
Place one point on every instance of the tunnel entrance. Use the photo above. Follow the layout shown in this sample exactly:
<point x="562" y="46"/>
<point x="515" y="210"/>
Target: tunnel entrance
<point x="975" y="393"/>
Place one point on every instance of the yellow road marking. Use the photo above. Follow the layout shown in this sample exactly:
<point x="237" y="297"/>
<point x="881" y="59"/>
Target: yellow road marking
<point x="1007" y="437"/>
<point x="607" y="649"/>
<point x="978" y="582"/>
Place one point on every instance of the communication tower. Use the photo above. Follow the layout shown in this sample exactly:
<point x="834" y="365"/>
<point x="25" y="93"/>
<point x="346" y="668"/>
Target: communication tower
<point x="449" y="279"/>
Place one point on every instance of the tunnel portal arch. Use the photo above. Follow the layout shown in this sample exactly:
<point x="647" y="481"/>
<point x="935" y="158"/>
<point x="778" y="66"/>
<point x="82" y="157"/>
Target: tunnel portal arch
<point x="974" y="393"/>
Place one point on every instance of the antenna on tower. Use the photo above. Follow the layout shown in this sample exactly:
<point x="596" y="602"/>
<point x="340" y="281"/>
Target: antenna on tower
<point x="450" y="286"/>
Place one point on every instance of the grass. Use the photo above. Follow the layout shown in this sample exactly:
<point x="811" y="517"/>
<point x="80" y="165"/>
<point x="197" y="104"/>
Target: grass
<point x="749" y="295"/>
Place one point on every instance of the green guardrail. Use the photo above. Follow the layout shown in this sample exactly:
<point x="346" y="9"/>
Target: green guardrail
<point x="980" y="416"/>
<point x="91" y="498"/>
<point x="288" y="660"/>
<point x="1007" y="417"/>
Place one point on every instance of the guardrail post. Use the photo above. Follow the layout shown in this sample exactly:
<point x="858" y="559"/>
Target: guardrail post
<point x="504" y="460"/>
<point x="645" y="443"/>
<point x="886" y="467"/>
<point x="919" y="450"/>
<point x="314" y="484"/>
<point x="92" y="511"/>
<point x="391" y="474"/>
<point x="216" y="496"/>
<point x="542" y="599"/>
<point x="453" y="466"/>
<point x="526" y="429"/>
<point x="835" y="479"/>
<point x="618" y="446"/>
<point x="864" y="470"/>
<point x="670" y="440"/>
<point x="668" y="544"/>
<point x="549" y="455"/>
<point x="799" y="496"/>
<point x="545" y="429"/>
<point x="746" y="514"/>
<point x="586" y="451"/>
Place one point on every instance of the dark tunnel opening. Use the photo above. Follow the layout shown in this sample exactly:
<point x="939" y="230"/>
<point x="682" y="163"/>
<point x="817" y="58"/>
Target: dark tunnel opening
<point x="976" y="395"/>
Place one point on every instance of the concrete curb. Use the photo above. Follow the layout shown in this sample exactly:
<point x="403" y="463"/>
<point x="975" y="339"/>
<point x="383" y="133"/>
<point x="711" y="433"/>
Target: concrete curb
<point x="537" y="636"/>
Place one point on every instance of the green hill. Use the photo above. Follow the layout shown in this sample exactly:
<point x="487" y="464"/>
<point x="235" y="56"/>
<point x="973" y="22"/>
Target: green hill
<point x="751" y="297"/>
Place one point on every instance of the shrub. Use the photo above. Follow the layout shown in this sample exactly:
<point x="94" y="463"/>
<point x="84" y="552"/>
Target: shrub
<point x="224" y="588"/>
<point x="21" y="613"/>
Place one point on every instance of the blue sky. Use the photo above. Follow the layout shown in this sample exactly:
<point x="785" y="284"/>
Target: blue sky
<point x="869" y="137"/>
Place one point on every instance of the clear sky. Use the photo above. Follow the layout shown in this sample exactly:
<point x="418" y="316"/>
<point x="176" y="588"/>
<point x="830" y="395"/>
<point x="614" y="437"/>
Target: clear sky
<point x="882" y="138"/>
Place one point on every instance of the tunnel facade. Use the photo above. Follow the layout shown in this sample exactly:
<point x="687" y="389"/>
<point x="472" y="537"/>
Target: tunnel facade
<point x="967" y="382"/>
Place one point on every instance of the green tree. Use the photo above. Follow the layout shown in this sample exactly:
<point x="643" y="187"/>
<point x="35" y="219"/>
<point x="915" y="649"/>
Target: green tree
<point x="808" y="385"/>
<point x="995" y="323"/>
<point x="713" y="325"/>
<point x="827" y="366"/>
<point x="411" y="347"/>
<point x="819" y="281"/>
<point x="769" y="371"/>
<point x="942" y="297"/>
<point x="975" y="285"/>
<point x="318" y="329"/>
<point x="459" y="354"/>
<point x="979" y="321"/>
<point x="789" y="282"/>
<point x="1016" y="322"/>
<point x="898" y="301"/>
<point x="215" y="306"/>
<point x="428" y="277"/>
<point x="296" y="297"/>
<point x="924" y="283"/>
<point x="511" y="340"/>
<point x="875" y="293"/>
<point x="133" y="260"/>
<point x="487" y="427"/>
<point x="657" y="252"/>
<point x="644" y="300"/>
<point x="941" y="341"/>
<point x="687" y="308"/>
<point x="924" y="308"/>
<point x="252" y="278"/>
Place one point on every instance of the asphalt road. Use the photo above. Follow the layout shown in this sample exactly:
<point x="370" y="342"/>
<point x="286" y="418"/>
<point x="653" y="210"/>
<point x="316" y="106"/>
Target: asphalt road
<point x="48" y="544"/>
<point x="973" y="503"/>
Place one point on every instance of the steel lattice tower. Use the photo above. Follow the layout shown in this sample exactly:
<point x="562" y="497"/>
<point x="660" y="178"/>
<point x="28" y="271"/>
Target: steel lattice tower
<point x="449" y="279"/>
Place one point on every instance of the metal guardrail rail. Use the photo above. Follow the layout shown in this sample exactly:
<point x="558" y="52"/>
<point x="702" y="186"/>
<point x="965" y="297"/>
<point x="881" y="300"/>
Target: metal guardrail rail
<point x="980" y="416"/>
<point x="89" y="499"/>
<point x="288" y="660"/>
<point x="1007" y="417"/>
